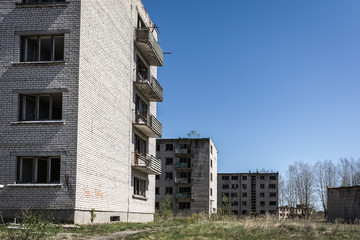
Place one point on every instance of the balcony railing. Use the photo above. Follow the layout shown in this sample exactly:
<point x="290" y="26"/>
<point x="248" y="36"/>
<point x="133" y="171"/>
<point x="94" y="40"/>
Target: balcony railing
<point x="148" y="86"/>
<point x="183" y="180"/>
<point x="184" y="196"/>
<point x="149" y="47"/>
<point x="149" y="125"/>
<point x="147" y="164"/>
<point x="183" y="165"/>
<point x="182" y="152"/>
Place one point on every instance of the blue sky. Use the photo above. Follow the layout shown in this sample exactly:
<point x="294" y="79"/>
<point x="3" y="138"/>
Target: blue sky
<point x="270" y="81"/>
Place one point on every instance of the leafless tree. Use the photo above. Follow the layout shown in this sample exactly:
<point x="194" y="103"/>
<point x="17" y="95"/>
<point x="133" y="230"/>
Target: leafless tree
<point x="349" y="172"/>
<point x="282" y="191"/>
<point x="325" y="176"/>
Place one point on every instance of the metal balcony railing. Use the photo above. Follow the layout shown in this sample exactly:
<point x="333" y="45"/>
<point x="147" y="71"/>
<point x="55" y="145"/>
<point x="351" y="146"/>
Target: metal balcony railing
<point x="180" y="151"/>
<point x="149" y="125"/>
<point x="183" y="180"/>
<point x="148" y="86"/>
<point x="147" y="164"/>
<point x="149" y="47"/>
<point x="183" y="165"/>
<point x="184" y="196"/>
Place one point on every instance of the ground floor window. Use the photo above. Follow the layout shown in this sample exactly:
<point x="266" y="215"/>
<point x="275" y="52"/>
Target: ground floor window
<point x="38" y="170"/>
<point x="139" y="187"/>
<point x="184" y="205"/>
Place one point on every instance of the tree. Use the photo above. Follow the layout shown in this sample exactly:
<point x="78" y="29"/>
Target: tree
<point x="325" y="176"/>
<point x="349" y="172"/>
<point x="193" y="134"/>
<point x="282" y="191"/>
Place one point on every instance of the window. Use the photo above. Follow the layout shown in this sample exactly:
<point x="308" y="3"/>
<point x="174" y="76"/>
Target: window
<point x="226" y="194"/>
<point x="234" y="177"/>
<point x="140" y="146"/>
<point x="211" y="177"/>
<point x="40" y="107"/>
<point x="244" y="212"/>
<point x="244" y="194"/>
<point x="168" y="176"/>
<point x="157" y="190"/>
<point x="262" y="203"/>
<point x="42" y="1"/>
<point x="244" y="177"/>
<point x="184" y="146"/>
<point x="262" y="186"/>
<point x="235" y="203"/>
<point x="141" y="108"/>
<point x="272" y="185"/>
<point x="225" y="186"/>
<point x="157" y="177"/>
<point x="157" y="205"/>
<point x="234" y="194"/>
<point x="211" y="149"/>
<point x="42" y="48"/>
<point x="244" y="186"/>
<point x="139" y="187"/>
<point x="235" y="212"/>
<point x="168" y="147"/>
<point x="262" y="177"/>
<point x="211" y="164"/>
<point x="262" y="212"/>
<point x="169" y="161"/>
<point x="272" y="177"/>
<point x="210" y="191"/>
<point x="262" y="194"/>
<point x="234" y="186"/>
<point x="168" y="191"/>
<point x="273" y="194"/>
<point x="157" y="147"/>
<point x="272" y="203"/>
<point x="184" y="205"/>
<point x="38" y="170"/>
<point x="225" y="177"/>
<point x="244" y="203"/>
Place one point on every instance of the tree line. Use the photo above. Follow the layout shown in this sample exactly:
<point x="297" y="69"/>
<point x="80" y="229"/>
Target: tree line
<point x="307" y="184"/>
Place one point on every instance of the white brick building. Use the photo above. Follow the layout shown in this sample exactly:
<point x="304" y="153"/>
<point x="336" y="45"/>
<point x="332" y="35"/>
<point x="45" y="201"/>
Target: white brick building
<point x="78" y="95"/>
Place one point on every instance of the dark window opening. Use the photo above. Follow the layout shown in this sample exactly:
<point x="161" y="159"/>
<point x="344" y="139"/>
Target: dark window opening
<point x="168" y="191"/>
<point x="168" y="147"/>
<point x="38" y="170"/>
<point x="139" y="187"/>
<point x="184" y="205"/>
<point x="42" y="48"/>
<point x="169" y="161"/>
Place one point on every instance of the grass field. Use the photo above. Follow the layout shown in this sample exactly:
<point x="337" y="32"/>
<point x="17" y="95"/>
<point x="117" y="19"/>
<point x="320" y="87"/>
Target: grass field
<point x="200" y="228"/>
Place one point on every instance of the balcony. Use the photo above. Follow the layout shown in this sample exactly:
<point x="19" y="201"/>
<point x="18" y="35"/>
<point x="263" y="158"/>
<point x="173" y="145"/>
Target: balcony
<point x="180" y="181"/>
<point x="148" y="125"/>
<point x="149" y="47"/>
<point x="183" y="166"/>
<point x="182" y="152"/>
<point x="148" y="86"/>
<point x="184" y="196"/>
<point x="147" y="164"/>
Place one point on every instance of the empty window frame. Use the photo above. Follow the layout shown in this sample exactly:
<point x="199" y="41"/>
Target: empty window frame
<point x="234" y="177"/>
<point x="272" y="185"/>
<point x="225" y="178"/>
<point x="168" y="175"/>
<point x="141" y="108"/>
<point x="262" y="194"/>
<point x="42" y="1"/>
<point x="140" y="146"/>
<point x="169" y="161"/>
<point x="184" y="205"/>
<point x="157" y="147"/>
<point x="234" y="186"/>
<point x="38" y="170"/>
<point x="234" y="194"/>
<point x="35" y="107"/>
<point x="244" y="203"/>
<point x="157" y="177"/>
<point x="244" y="186"/>
<point x="272" y="203"/>
<point x="262" y="186"/>
<point x="157" y="190"/>
<point x="244" y="212"/>
<point x="211" y="177"/>
<point x="235" y="212"/>
<point x="210" y="191"/>
<point x="244" y="177"/>
<point x="262" y="177"/>
<point x="273" y="194"/>
<point x="272" y="177"/>
<point x="244" y="194"/>
<point x="226" y="194"/>
<point x="235" y="203"/>
<point x="42" y="48"/>
<point x="139" y="187"/>
<point x="168" y="191"/>
<point x="169" y="147"/>
<point x="262" y="203"/>
<point x="225" y="186"/>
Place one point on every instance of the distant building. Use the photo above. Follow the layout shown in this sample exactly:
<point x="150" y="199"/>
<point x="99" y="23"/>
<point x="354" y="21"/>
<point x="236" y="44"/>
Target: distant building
<point x="343" y="203"/>
<point x="286" y="212"/>
<point x="189" y="170"/>
<point x="249" y="193"/>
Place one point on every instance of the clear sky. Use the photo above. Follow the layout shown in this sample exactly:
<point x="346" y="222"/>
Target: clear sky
<point x="270" y="81"/>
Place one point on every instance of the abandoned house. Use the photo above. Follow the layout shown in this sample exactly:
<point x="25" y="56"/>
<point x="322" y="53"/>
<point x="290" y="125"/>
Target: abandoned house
<point x="78" y="94"/>
<point x="188" y="179"/>
<point x="343" y="203"/>
<point x="248" y="193"/>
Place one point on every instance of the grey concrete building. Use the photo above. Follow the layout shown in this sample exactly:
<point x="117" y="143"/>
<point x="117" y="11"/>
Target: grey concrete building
<point x="249" y="193"/>
<point x="78" y="95"/>
<point x="343" y="203"/>
<point x="189" y="170"/>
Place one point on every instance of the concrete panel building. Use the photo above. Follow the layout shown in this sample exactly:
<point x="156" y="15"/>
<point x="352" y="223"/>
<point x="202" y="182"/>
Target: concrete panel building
<point x="249" y="193"/>
<point x="343" y="203"/>
<point x="189" y="170"/>
<point x="78" y="95"/>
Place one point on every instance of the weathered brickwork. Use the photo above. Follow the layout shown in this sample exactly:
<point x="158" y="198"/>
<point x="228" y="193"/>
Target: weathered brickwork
<point x="202" y="178"/>
<point x="95" y="138"/>
<point x="248" y="193"/>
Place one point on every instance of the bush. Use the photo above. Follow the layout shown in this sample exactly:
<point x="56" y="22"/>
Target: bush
<point x="165" y="212"/>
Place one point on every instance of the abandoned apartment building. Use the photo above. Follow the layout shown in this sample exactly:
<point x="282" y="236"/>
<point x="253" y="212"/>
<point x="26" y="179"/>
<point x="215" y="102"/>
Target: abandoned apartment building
<point x="248" y="193"/>
<point x="78" y="95"/>
<point x="343" y="203"/>
<point x="287" y="212"/>
<point x="188" y="179"/>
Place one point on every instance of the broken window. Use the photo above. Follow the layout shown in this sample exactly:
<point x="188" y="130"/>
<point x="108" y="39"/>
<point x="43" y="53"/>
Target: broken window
<point x="184" y="189"/>
<point x="42" y="48"/>
<point x="235" y="203"/>
<point x="143" y="72"/>
<point x="157" y="190"/>
<point x="157" y="147"/>
<point x="244" y="186"/>
<point x="226" y="194"/>
<point x="141" y="109"/>
<point x="140" y="146"/>
<point x="35" y="107"/>
<point x="168" y="191"/>
<point x="168" y="147"/>
<point x="184" y="205"/>
<point x="262" y="203"/>
<point x="157" y="177"/>
<point x="38" y="170"/>
<point x="139" y="187"/>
